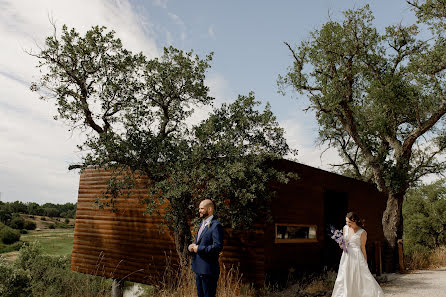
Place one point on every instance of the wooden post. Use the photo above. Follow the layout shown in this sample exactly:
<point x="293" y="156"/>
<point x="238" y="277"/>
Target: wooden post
<point x="378" y="258"/>
<point x="117" y="288"/>
<point x="401" y="256"/>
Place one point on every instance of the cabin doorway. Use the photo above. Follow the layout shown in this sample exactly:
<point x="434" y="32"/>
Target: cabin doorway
<point x="335" y="209"/>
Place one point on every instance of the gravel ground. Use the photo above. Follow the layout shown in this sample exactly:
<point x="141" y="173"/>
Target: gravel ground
<point x="421" y="283"/>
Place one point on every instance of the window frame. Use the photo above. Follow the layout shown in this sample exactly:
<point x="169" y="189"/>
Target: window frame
<point x="294" y="240"/>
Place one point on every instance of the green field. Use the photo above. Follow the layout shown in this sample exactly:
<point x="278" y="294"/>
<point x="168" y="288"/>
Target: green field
<point x="57" y="242"/>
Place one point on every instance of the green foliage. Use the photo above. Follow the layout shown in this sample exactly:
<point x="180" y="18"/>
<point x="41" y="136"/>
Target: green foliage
<point x="62" y="225"/>
<point x="137" y="110"/>
<point x="379" y="100"/>
<point x="52" y="226"/>
<point x="13" y="282"/>
<point x="5" y="215"/>
<point x="51" y="212"/>
<point x="29" y="225"/>
<point x="42" y="275"/>
<point x="6" y="248"/>
<point x="9" y="211"/>
<point x="17" y="223"/>
<point x="8" y="235"/>
<point x="18" y="207"/>
<point x="424" y="213"/>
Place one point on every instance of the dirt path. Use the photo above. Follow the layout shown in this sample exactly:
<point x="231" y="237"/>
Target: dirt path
<point x="422" y="283"/>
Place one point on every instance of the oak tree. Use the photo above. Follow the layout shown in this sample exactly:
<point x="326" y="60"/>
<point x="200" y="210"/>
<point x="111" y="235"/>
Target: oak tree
<point x="379" y="98"/>
<point x="133" y="113"/>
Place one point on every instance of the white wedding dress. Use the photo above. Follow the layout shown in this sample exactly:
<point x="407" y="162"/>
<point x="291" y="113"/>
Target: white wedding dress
<point x="354" y="278"/>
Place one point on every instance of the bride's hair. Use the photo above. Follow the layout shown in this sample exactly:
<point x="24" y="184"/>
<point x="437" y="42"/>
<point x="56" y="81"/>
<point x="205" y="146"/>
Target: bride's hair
<point x="353" y="216"/>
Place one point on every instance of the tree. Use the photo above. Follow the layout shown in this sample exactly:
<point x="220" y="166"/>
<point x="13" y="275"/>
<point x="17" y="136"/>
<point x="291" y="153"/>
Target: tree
<point x="228" y="161"/>
<point x="133" y="114"/>
<point x="379" y="99"/>
<point x="424" y="212"/>
<point x="18" y="207"/>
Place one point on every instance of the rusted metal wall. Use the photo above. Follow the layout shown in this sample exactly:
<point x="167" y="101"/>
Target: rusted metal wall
<point x="128" y="244"/>
<point x="125" y="243"/>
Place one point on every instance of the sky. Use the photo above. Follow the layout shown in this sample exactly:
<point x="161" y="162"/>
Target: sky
<point x="247" y="38"/>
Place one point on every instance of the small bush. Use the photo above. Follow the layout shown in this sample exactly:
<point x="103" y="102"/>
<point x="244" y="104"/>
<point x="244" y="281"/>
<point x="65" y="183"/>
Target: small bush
<point x="31" y="216"/>
<point x="426" y="259"/>
<point x="52" y="226"/>
<point x="29" y="225"/>
<point x="9" y="235"/>
<point x="64" y="226"/>
<point x="43" y="218"/>
<point x="52" y="276"/>
<point x="67" y="221"/>
<point x="10" y="247"/>
<point x="14" y="282"/>
<point x="23" y="231"/>
<point x="17" y="223"/>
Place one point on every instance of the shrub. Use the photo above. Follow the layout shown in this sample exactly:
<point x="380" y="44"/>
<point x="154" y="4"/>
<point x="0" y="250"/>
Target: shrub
<point x="67" y="221"/>
<point x="11" y="247"/>
<point x="424" y="212"/>
<point x="5" y="215"/>
<point x="51" y="212"/>
<point x="17" y="223"/>
<point x="14" y="282"/>
<point x="52" y="226"/>
<point x="52" y="276"/>
<point x="64" y="226"/>
<point x="9" y="235"/>
<point x="427" y="259"/>
<point x="23" y="231"/>
<point x="29" y="225"/>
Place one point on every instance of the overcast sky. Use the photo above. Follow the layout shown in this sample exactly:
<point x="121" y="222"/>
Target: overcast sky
<point x="246" y="38"/>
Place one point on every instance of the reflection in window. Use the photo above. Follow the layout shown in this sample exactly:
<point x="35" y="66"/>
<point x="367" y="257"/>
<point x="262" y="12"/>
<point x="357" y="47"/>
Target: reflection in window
<point x="295" y="233"/>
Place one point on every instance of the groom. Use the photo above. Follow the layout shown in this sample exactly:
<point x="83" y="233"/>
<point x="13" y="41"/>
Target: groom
<point x="206" y="250"/>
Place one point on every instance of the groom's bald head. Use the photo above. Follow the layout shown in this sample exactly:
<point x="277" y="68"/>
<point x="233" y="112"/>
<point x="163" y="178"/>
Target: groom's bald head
<point x="206" y="208"/>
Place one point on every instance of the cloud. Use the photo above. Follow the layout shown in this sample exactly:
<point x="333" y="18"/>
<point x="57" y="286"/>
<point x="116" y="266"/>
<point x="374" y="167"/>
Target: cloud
<point x="220" y="89"/>
<point x="178" y="21"/>
<point x="211" y="31"/>
<point x="299" y="133"/>
<point x="160" y="3"/>
<point x="35" y="150"/>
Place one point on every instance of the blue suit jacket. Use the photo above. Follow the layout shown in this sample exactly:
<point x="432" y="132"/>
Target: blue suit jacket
<point x="210" y="244"/>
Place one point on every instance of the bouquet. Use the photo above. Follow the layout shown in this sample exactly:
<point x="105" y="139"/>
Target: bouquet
<point x="339" y="238"/>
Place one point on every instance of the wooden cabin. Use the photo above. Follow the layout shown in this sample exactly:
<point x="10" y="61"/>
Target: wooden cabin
<point x="128" y="244"/>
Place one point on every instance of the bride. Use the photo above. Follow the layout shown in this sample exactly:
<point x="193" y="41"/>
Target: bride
<point x="354" y="278"/>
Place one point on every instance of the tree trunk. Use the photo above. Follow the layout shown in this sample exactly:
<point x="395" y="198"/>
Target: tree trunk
<point x="182" y="238"/>
<point x="392" y="221"/>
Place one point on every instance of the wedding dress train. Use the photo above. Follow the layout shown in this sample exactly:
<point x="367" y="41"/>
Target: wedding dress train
<point x="354" y="278"/>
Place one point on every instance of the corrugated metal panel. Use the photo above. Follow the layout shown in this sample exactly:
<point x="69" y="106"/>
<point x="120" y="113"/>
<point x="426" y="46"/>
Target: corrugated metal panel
<point x="128" y="244"/>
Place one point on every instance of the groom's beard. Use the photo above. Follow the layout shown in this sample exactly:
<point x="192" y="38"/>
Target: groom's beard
<point x="204" y="214"/>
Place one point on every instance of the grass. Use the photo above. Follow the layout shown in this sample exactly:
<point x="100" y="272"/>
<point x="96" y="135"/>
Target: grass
<point x="427" y="260"/>
<point x="55" y="242"/>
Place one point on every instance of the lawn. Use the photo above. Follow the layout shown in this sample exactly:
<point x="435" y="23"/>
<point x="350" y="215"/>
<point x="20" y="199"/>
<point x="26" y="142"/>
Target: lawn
<point x="57" y="242"/>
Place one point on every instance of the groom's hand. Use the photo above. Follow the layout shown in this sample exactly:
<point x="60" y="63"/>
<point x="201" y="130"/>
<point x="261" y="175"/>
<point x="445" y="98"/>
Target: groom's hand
<point x="191" y="247"/>
<point x="195" y="247"/>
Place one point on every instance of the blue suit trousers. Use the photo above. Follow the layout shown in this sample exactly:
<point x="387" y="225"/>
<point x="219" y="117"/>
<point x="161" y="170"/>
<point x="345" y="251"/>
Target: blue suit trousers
<point x="206" y="284"/>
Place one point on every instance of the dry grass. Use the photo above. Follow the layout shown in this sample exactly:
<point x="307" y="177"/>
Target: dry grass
<point x="181" y="283"/>
<point x="422" y="260"/>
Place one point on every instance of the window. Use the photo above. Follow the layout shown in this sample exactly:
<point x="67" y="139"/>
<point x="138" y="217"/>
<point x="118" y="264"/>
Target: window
<point x="293" y="233"/>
